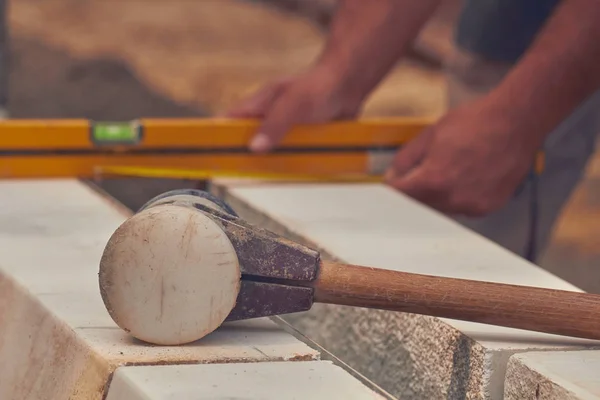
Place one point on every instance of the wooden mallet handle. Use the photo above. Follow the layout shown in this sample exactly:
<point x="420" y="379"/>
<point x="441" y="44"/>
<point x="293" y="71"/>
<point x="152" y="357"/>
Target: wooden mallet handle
<point x="530" y="308"/>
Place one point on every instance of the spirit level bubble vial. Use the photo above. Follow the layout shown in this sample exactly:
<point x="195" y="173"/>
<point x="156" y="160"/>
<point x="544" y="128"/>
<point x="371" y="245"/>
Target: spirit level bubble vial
<point x="116" y="133"/>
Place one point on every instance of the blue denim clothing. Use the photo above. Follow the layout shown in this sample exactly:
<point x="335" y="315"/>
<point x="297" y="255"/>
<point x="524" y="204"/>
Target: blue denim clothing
<point x="501" y="30"/>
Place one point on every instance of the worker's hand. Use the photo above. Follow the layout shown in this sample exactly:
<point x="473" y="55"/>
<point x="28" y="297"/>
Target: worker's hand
<point x="469" y="163"/>
<point x="313" y="97"/>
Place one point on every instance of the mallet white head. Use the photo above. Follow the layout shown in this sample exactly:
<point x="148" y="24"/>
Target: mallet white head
<point x="169" y="275"/>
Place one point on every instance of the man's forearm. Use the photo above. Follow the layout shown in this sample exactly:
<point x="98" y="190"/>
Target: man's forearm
<point x="367" y="38"/>
<point x="558" y="72"/>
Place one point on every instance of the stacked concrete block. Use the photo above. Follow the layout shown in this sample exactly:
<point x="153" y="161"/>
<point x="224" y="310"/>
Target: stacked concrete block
<point x="410" y="356"/>
<point x="554" y="375"/>
<point x="58" y="342"/>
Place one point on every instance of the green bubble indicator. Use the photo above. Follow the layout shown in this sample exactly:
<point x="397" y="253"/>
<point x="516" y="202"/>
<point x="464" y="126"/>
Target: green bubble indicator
<point x="116" y="133"/>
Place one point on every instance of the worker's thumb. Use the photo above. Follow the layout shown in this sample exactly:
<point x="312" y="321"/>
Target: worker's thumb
<point x="414" y="184"/>
<point x="409" y="156"/>
<point x="277" y="122"/>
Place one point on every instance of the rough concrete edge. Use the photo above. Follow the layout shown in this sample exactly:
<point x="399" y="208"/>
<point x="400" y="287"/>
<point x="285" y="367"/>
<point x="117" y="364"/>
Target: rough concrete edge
<point x="495" y="362"/>
<point x="88" y="382"/>
<point x="523" y="382"/>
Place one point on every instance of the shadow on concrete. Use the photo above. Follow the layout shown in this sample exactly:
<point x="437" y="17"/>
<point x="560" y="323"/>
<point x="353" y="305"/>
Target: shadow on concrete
<point x="48" y="83"/>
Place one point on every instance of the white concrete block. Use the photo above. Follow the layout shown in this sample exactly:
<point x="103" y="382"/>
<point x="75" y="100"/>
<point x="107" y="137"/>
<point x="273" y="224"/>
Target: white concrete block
<point x="314" y="380"/>
<point x="370" y="224"/>
<point x="57" y="340"/>
<point x="566" y="375"/>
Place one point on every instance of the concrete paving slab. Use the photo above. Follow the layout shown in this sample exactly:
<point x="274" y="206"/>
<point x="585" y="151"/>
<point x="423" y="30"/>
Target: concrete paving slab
<point x="568" y="375"/>
<point x="315" y="380"/>
<point x="410" y="356"/>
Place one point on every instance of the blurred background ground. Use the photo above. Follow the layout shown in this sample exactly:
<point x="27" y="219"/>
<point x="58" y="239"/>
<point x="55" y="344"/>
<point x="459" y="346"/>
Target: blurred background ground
<point x="172" y="58"/>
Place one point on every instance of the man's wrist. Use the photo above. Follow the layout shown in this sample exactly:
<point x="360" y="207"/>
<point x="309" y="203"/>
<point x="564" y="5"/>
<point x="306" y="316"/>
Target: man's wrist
<point x="347" y="87"/>
<point x="522" y="123"/>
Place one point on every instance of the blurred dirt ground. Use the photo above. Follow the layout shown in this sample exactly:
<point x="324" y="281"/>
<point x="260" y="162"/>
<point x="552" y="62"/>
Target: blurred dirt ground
<point x="173" y="58"/>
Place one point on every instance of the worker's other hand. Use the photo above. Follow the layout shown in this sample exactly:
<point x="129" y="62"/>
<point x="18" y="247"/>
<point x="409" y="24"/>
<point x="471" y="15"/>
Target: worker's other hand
<point x="469" y="163"/>
<point x="312" y="97"/>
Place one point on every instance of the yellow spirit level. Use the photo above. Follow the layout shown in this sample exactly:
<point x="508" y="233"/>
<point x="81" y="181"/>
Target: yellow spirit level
<point x="204" y="147"/>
